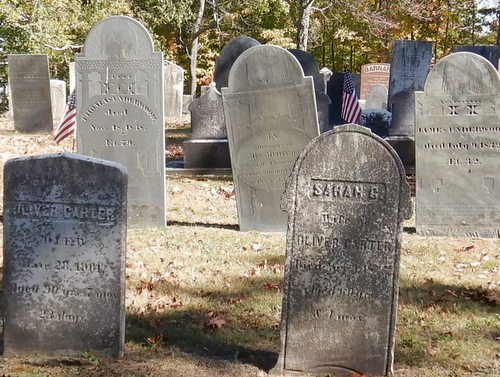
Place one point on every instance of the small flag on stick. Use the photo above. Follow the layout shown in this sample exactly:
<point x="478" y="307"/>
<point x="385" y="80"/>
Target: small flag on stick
<point x="67" y="124"/>
<point x="351" y="111"/>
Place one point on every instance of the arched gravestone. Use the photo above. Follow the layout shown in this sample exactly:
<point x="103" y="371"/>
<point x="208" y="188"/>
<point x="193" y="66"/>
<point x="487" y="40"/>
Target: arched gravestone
<point x="342" y="256"/>
<point x="270" y="115"/>
<point x="376" y="98"/>
<point x="120" y="111"/>
<point x="64" y="255"/>
<point x="234" y="48"/>
<point x="458" y="149"/>
<point x="173" y="89"/>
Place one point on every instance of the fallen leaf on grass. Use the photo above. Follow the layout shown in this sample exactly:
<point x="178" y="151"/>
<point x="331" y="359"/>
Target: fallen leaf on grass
<point x="468" y="247"/>
<point x="226" y="191"/>
<point x="155" y="339"/>
<point x="353" y="374"/>
<point x="271" y="286"/>
<point x="175" y="304"/>
<point x="447" y="333"/>
<point x="215" y="323"/>
<point x="431" y="350"/>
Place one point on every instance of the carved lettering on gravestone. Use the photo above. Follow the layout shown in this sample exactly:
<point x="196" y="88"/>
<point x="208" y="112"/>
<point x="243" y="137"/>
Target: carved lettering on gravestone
<point x="30" y="93"/>
<point x="458" y="149"/>
<point x="342" y="259"/>
<point x="173" y="89"/>
<point x="270" y="115"/>
<point x="120" y="111"/>
<point x="64" y="255"/>
<point x="373" y="74"/>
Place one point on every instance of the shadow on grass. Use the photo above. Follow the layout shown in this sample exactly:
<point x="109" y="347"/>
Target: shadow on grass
<point x="205" y="225"/>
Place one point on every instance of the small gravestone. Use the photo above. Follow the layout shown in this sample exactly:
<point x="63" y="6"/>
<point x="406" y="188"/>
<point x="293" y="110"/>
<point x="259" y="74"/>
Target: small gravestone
<point x="410" y="65"/>
<point x="120" y="111"/>
<point x="334" y="90"/>
<point x="64" y="255"/>
<point x="207" y="146"/>
<point x="270" y="115"/>
<point x="173" y="89"/>
<point x="30" y="93"/>
<point x="186" y="101"/>
<point x="342" y="259"/>
<point x="234" y="48"/>
<point x="458" y="149"/>
<point x="58" y="98"/>
<point x="373" y="74"/>
<point x="492" y="53"/>
<point x="376" y="98"/>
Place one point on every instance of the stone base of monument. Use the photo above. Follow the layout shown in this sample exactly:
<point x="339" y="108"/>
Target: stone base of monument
<point x="405" y="148"/>
<point x="206" y="153"/>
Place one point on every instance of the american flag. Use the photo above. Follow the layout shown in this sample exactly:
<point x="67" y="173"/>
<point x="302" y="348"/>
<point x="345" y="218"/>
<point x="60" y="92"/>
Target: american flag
<point x="68" y="122"/>
<point x="351" y="112"/>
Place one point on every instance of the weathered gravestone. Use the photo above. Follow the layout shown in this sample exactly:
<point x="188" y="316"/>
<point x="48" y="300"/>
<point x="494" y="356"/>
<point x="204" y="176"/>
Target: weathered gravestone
<point x="410" y="65"/>
<point x="270" y="115"/>
<point x="30" y="93"/>
<point x="376" y="98"/>
<point x="334" y="90"/>
<point x="373" y="74"/>
<point x="186" y="101"/>
<point x="234" y="48"/>
<point x="340" y="290"/>
<point x="72" y="78"/>
<point x="120" y="111"/>
<point x="458" y="149"/>
<point x="208" y="146"/>
<point x="57" y="98"/>
<point x="173" y="89"/>
<point x="64" y="255"/>
<point x="492" y="53"/>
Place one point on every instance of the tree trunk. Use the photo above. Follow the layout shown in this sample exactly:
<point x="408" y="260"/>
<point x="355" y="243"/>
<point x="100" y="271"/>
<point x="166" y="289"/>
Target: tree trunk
<point x="193" y="53"/>
<point x="305" y="10"/>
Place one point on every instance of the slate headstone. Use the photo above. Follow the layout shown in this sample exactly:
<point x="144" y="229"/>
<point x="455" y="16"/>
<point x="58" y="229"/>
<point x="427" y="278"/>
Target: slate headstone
<point x="173" y="89"/>
<point x="310" y="68"/>
<point x="334" y="91"/>
<point x="120" y="111"/>
<point x="234" y="48"/>
<point x="376" y="98"/>
<point x="64" y="255"/>
<point x="30" y="93"/>
<point x="340" y="290"/>
<point x="270" y="116"/>
<point x="373" y="74"/>
<point x="492" y="53"/>
<point x="458" y="149"/>
<point x="57" y="98"/>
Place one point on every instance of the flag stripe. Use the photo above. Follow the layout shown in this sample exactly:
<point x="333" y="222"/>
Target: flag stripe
<point x="351" y="111"/>
<point x="67" y="124"/>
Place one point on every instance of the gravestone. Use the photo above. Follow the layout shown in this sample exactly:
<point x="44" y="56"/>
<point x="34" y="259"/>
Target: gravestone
<point x="492" y="53"/>
<point x="410" y="65"/>
<point x="334" y="90"/>
<point x="72" y="78"/>
<point x="64" y="255"/>
<point x="186" y="101"/>
<point x="207" y="146"/>
<point x="270" y="115"/>
<point x="234" y="48"/>
<point x="373" y="74"/>
<point x="327" y="73"/>
<point x="458" y="149"/>
<point x="30" y="93"/>
<point x="173" y="89"/>
<point x="340" y="291"/>
<point x="120" y="111"/>
<point x="376" y="98"/>
<point x="57" y="98"/>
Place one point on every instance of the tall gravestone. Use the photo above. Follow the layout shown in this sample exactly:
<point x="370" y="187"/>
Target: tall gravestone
<point x="270" y="115"/>
<point x="30" y="93"/>
<point x="340" y="291"/>
<point x="174" y="89"/>
<point x="208" y="146"/>
<point x="120" y="111"/>
<point x="492" y="53"/>
<point x="373" y="74"/>
<point x="234" y="48"/>
<point x="410" y="65"/>
<point x="57" y="98"/>
<point x="458" y="149"/>
<point x="64" y="255"/>
<point x="334" y="90"/>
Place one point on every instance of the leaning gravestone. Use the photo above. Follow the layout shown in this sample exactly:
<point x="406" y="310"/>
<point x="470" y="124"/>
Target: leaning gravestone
<point x="492" y="53"/>
<point x="64" y="255"/>
<point x="57" y="98"/>
<point x="173" y="89"/>
<point x="458" y="149"/>
<point x="373" y="74"/>
<point x="342" y="259"/>
<point x="270" y="115"/>
<point x="376" y="98"/>
<point x="120" y="111"/>
<point x="30" y="93"/>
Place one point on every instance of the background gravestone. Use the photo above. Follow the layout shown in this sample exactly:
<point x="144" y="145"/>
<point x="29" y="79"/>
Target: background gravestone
<point x="458" y="149"/>
<point x="64" y="255"/>
<point x="72" y="78"/>
<point x="57" y="98"/>
<point x="120" y="111"/>
<point x="208" y="146"/>
<point x="376" y="98"/>
<point x="334" y="91"/>
<point x="234" y="48"/>
<point x="492" y="53"/>
<point x="410" y="65"/>
<point x="173" y="89"/>
<point x="373" y="74"/>
<point x="270" y="115"/>
<point x="342" y="258"/>
<point x="30" y="93"/>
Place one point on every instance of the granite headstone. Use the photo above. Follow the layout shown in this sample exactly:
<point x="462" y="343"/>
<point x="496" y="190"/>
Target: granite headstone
<point x="64" y="255"/>
<point x="270" y="116"/>
<point x="173" y="89"/>
<point x="120" y="111"/>
<point x="373" y="74"/>
<point x="340" y="290"/>
<point x="29" y="88"/>
<point x="57" y="98"/>
<point x="376" y="98"/>
<point x="492" y="53"/>
<point x="458" y="149"/>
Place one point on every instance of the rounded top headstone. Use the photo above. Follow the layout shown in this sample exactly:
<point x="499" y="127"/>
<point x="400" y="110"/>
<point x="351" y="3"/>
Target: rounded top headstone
<point x="118" y="38"/>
